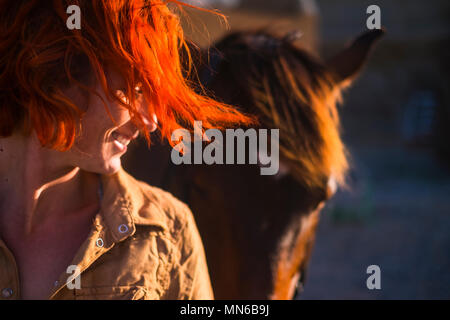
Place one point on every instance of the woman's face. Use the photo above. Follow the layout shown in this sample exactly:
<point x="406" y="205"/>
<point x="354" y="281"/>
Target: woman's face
<point x="102" y="141"/>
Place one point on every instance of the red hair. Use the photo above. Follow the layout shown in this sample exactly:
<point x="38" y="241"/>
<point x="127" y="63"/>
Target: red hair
<point x="142" y="40"/>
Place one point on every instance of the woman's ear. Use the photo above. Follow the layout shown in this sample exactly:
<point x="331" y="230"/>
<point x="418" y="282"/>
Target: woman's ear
<point x="347" y="64"/>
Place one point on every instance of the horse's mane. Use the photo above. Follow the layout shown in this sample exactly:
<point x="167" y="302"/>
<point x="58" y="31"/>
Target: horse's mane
<point x="289" y="89"/>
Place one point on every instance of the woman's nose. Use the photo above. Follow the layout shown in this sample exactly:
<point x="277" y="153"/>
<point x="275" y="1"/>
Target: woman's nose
<point x="151" y="124"/>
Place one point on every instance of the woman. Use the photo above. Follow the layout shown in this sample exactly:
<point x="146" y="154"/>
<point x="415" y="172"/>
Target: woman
<point x="73" y="224"/>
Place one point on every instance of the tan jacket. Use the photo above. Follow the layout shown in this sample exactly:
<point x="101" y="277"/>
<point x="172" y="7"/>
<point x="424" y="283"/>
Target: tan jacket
<point x="144" y="244"/>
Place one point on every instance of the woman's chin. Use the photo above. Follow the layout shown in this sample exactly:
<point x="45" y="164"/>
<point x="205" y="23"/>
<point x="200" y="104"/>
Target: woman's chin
<point x="106" y="167"/>
<point x="113" y="166"/>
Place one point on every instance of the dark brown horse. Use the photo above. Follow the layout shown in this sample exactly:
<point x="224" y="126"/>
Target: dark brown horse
<point x="258" y="231"/>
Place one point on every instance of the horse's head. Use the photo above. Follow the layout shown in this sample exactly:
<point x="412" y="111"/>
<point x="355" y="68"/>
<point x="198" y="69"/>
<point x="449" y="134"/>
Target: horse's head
<point x="268" y="222"/>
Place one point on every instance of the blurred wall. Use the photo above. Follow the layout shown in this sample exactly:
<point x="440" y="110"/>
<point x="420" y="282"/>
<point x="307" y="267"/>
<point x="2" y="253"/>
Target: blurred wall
<point x="396" y="124"/>
<point x="279" y="17"/>
<point x="402" y="98"/>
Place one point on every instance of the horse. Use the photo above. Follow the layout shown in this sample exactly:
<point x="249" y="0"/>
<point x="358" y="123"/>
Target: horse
<point x="258" y="230"/>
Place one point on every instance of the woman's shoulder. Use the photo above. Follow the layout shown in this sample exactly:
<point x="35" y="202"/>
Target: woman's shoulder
<point x="154" y="206"/>
<point x="151" y="238"/>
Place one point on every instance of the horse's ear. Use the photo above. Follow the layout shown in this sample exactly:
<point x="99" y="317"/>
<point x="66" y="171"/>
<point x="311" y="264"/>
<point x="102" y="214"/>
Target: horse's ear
<point x="347" y="64"/>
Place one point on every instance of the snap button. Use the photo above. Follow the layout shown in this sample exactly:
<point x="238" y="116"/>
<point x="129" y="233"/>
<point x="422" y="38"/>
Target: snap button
<point x="99" y="242"/>
<point x="7" y="293"/>
<point x="123" y="228"/>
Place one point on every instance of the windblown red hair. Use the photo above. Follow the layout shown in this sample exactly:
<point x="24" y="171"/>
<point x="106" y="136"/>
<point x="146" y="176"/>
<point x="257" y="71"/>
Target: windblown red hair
<point x="141" y="39"/>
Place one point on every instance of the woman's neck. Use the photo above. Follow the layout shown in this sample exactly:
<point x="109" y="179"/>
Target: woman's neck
<point x="37" y="187"/>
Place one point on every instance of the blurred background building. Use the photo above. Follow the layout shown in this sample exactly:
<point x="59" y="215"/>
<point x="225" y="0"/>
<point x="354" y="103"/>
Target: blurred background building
<point x="278" y="16"/>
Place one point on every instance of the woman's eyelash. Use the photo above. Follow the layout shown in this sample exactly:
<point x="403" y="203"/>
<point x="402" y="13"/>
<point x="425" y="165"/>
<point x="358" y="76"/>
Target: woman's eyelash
<point x="137" y="92"/>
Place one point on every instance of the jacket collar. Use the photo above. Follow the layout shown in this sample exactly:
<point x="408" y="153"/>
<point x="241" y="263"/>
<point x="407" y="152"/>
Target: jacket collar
<point x="125" y="203"/>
